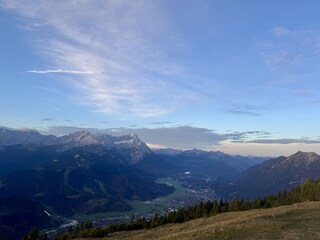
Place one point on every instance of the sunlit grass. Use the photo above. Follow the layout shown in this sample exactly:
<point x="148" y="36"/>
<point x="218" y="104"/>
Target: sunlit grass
<point x="298" y="221"/>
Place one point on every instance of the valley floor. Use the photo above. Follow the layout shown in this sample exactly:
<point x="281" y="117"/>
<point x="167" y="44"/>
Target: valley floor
<point x="298" y="221"/>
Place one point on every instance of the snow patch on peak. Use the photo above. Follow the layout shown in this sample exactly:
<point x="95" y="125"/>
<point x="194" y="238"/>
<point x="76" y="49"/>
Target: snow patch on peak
<point x="123" y="142"/>
<point x="133" y="135"/>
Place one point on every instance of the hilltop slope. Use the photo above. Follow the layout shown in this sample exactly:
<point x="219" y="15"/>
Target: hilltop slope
<point x="298" y="221"/>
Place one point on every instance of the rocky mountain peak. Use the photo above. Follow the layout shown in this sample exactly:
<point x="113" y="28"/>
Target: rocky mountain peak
<point x="77" y="139"/>
<point x="303" y="158"/>
<point x="129" y="145"/>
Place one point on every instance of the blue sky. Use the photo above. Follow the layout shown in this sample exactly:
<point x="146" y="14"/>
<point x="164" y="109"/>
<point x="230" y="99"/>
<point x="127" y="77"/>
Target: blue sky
<point x="236" y="76"/>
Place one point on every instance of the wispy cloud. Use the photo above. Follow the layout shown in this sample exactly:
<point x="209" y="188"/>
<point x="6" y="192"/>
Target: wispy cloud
<point x="59" y="71"/>
<point x="280" y="31"/>
<point x="277" y="60"/>
<point x="118" y="52"/>
<point x="47" y="89"/>
<point x="264" y="44"/>
<point x="47" y="119"/>
<point x="314" y="101"/>
<point x="289" y="52"/>
<point x="245" y="109"/>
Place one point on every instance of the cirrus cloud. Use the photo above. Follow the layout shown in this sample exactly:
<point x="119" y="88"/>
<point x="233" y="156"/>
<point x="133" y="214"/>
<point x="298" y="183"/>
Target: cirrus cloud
<point x="58" y="71"/>
<point x="116" y="56"/>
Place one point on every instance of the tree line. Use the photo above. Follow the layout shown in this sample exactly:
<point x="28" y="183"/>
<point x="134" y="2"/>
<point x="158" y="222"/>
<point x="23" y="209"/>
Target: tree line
<point x="307" y="191"/>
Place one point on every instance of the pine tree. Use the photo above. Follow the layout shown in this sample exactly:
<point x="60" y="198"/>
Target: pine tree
<point x="234" y="205"/>
<point x="34" y="235"/>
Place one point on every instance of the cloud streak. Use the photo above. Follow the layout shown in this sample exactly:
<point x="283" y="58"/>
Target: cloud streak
<point x="242" y="112"/>
<point x="283" y="141"/>
<point x="47" y="119"/>
<point x="246" y="109"/>
<point x="59" y="71"/>
<point x="161" y="123"/>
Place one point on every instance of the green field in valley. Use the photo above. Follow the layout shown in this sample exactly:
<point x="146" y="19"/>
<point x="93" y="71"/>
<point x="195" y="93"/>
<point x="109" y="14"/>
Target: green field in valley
<point x="157" y="204"/>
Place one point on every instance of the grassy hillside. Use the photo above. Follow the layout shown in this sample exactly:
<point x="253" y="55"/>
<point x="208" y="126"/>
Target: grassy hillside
<point x="298" y="221"/>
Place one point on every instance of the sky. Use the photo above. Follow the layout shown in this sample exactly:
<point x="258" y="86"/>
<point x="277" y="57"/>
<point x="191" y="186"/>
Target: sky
<point x="236" y="76"/>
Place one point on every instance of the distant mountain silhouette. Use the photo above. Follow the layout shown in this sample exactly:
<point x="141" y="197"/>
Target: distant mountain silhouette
<point x="276" y="174"/>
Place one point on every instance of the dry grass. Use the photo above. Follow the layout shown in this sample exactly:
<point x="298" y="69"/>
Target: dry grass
<point x="298" y="221"/>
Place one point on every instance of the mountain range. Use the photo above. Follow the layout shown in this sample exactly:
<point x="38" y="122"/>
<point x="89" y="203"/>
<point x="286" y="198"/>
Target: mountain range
<point x="137" y="149"/>
<point x="271" y="176"/>
<point x="80" y="173"/>
<point x="85" y="173"/>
